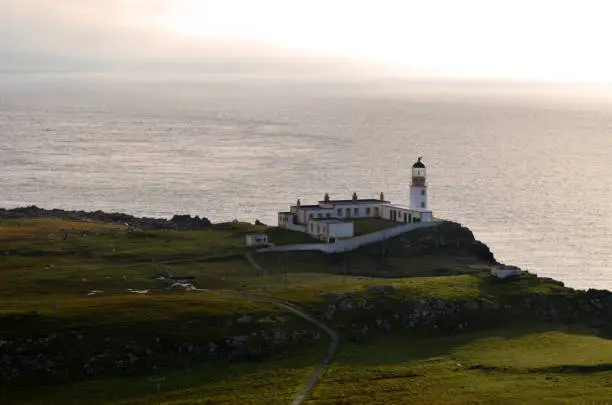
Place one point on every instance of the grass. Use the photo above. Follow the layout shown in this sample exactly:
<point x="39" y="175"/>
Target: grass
<point x="150" y="315"/>
<point x="274" y="381"/>
<point x="507" y="366"/>
<point x="48" y="256"/>
<point x="364" y="226"/>
<point x="49" y="268"/>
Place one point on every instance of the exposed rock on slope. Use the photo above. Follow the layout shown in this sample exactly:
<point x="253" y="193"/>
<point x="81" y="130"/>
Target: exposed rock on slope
<point x="71" y="354"/>
<point x="359" y="314"/>
<point x="448" y="236"/>
<point x="178" y="222"/>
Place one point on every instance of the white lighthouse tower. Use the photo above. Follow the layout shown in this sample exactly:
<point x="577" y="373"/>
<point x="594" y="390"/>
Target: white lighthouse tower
<point x="418" y="187"/>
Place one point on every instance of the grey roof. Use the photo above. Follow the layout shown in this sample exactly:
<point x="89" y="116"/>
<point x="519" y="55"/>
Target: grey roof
<point x="364" y="201"/>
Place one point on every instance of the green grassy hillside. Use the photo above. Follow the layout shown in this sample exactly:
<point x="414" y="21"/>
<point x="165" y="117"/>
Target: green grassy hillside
<point x="514" y="365"/>
<point x="114" y="312"/>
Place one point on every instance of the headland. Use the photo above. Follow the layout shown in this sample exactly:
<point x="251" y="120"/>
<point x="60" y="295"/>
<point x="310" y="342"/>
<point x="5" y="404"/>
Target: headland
<point x="109" y="308"/>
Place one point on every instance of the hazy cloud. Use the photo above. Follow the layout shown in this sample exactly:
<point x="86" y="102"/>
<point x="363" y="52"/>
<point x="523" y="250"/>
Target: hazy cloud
<point x="96" y="35"/>
<point x="547" y="39"/>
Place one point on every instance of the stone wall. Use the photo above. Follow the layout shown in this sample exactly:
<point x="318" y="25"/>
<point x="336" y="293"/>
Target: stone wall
<point x="343" y="245"/>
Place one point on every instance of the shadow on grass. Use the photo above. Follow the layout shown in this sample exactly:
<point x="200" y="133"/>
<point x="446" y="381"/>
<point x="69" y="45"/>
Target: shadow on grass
<point x="278" y="379"/>
<point x="360" y="265"/>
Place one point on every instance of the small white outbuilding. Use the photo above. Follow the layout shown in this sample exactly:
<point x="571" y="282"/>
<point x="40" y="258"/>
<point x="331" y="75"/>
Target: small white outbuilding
<point x="256" y="239"/>
<point x="330" y="229"/>
<point x="502" y="271"/>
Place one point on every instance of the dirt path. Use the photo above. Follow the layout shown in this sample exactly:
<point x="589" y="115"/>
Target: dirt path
<point x="331" y="350"/>
<point x="253" y="263"/>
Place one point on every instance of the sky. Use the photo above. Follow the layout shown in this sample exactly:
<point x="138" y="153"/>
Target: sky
<point x="563" y="40"/>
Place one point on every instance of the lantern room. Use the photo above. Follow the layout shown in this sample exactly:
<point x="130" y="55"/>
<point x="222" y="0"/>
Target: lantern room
<point x="418" y="174"/>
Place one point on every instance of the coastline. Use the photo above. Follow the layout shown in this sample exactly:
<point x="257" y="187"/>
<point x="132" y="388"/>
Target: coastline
<point x="177" y="222"/>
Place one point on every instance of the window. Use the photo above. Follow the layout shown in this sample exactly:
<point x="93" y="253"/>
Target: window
<point x="423" y="192"/>
<point x="311" y="227"/>
<point x="356" y="211"/>
<point x="339" y="212"/>
<point x="422" y="204"/>
<point x="368" y="211"/>
<point x="318" y="229"/>
<point x="309" y="216"/>
<point x="319" y="215"/>
<point x="328" y="215"/>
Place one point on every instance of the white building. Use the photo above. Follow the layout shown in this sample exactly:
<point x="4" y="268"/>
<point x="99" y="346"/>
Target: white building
<point x="328" y="220"/>
<point x="330" y="229"/>
<point x="256" y="239"/>
<point x="502" y="271"/>
<point x="418" y="187"/>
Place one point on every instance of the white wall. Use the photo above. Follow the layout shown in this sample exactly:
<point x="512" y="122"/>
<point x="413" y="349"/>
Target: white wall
<point x="504" y="273"/>
<point x="284" y="220"/>
<point x="353" y="243"/>
<point x="303" y="214"/>
<point x="254" y="240"/>
<point x="323" y="231"/>
<point x="418" y="195"/>
<point x="294" y="227"/>
<point x="411" y="214"/>
<point x="361" y="210"/>
<point x="341" y="230"/>
<point x="316" y="229"/>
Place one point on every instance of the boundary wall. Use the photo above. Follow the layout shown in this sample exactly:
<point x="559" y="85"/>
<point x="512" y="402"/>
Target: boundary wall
<point x="345" y="245"/>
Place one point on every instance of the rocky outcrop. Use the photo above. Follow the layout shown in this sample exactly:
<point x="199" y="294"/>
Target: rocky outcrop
<point x="249" y="337"/>
<point x="359" y="315"/>
<point x="178" y="222"/>
<point x="252" y="337"/>
<point x="449" y="237"/>
<point x="188" y="223"/>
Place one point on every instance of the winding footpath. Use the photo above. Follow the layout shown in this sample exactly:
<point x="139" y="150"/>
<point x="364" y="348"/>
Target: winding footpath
<point x="331" y="350"/>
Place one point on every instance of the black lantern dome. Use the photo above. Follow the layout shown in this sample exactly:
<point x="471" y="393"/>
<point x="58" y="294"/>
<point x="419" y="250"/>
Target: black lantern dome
<point x="419" y="164"/>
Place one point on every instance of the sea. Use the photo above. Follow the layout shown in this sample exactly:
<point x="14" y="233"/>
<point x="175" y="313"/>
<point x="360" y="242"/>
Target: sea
<point x="526" y="166"/>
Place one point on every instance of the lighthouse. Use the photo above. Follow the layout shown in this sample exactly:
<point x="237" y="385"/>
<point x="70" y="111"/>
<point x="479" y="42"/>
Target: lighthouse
<point x="418" y="187"/>
<point x="332" y="219"/>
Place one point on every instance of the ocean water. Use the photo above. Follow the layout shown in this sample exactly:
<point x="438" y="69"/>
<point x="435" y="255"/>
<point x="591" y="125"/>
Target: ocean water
<point x="526" y="167"/>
